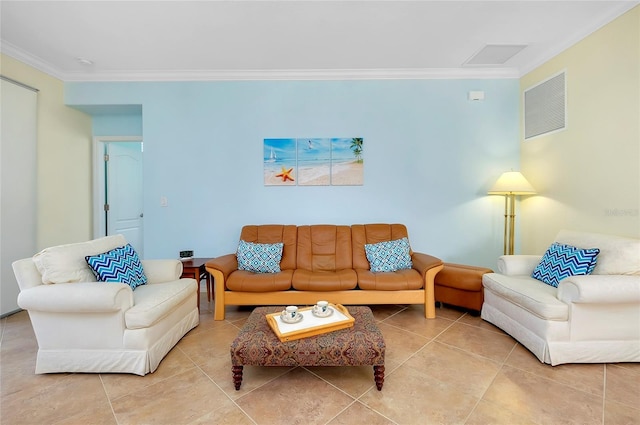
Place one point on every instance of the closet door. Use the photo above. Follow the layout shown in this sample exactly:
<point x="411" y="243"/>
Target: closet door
<point x="18" y="196"/>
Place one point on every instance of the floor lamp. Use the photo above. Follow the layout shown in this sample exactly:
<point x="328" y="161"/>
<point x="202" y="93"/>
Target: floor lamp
<point x="510" y="184"/>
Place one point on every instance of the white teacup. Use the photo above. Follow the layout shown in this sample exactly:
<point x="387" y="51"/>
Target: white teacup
<point x="322" y="307"/>
<point x="291" y="312"/>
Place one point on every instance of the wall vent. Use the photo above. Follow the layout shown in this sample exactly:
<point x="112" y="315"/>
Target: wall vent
<point x="545" y="107"/>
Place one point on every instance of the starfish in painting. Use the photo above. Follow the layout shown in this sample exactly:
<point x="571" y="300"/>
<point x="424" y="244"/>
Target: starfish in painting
<point x="285" y="174"/>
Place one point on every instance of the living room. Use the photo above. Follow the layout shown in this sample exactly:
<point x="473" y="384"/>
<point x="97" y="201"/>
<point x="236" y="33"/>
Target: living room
<point x="430" y="153"/>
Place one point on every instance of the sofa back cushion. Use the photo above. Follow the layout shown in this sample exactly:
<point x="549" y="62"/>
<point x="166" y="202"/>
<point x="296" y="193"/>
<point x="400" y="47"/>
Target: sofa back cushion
<point x="618" y="255"/>
<point x="274" y="233"/>
<point x="66" y="263"/>
<point x="324" y="247"/>
<point x="363" y="234"/>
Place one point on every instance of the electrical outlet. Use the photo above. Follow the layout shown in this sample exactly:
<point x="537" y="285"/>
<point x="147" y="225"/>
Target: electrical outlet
<point x="164" y="202"/>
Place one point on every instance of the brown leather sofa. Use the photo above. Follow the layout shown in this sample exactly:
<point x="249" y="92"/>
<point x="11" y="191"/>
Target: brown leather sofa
<point x="324" y="262"/>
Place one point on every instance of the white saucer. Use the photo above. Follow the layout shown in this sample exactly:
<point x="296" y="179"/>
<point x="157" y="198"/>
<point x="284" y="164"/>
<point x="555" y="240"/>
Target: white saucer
<point x="285" y="320"/>
<point x="318" y="314"/>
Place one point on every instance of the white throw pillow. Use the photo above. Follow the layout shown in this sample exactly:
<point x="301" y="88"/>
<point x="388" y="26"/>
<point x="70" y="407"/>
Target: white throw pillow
<point x="66" y="263"/>
<point x="618" y="255"/>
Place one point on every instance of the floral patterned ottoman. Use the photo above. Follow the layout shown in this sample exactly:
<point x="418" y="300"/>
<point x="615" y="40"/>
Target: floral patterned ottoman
<point x="257" y="345"/>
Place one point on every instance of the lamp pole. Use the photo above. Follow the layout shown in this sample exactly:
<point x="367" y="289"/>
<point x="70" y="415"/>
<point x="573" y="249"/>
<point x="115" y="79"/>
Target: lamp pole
<point x="510" y="184"/>
<point x="512" y="221"/>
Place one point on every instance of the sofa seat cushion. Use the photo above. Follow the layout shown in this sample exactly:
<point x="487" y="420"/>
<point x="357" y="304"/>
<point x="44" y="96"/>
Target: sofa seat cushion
<point x="404" y="279"/>
<point x="339" y="280"/>
<point x="246" y="281"/>
<point x="153" y="302"/>
<point x="536" y="297"/>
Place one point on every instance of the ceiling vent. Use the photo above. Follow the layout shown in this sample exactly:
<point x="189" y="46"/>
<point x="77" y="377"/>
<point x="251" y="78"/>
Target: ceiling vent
<point x="545" y="107"/>
<point x="494" y="54"/>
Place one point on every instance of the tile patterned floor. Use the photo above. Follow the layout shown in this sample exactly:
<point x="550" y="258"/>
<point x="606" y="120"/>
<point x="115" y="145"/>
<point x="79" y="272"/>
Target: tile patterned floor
<point x="456" y="369"/>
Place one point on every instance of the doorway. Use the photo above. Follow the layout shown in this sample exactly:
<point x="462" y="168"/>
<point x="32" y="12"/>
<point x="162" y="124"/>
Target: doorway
<point x="118" y="190"/>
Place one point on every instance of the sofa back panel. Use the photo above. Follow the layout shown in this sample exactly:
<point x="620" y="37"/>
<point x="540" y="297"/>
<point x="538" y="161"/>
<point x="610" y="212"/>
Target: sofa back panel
<point x="362" y="234"/>
<point x="274" y="233"/>
<point x="618" y="255"/>
<point x="324" y="247"/>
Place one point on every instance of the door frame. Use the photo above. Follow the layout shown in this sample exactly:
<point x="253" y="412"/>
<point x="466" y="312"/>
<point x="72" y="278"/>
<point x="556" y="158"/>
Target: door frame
<point x="99" y="143"/>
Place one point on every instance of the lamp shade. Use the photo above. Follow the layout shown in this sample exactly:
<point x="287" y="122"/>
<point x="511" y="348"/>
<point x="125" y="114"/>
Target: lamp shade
<point x="512" y="182"/>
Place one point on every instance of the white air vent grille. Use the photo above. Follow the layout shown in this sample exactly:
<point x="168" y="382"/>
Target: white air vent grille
<point x="545" y="107"/>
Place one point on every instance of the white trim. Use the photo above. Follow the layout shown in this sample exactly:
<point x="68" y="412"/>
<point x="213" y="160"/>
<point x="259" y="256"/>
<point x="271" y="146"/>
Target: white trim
<point x="300" y="74"/>
<point x="262" y="74"/>
<point x="99" y="225"/>
<point x="604" y="20"/>
<point x="29" y="59"/>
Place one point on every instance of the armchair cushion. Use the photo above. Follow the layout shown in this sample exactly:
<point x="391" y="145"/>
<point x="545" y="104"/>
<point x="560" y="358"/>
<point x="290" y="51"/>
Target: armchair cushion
<point x="156" y="301"/>
<point x="389" y="256"/>
<point x="561" y="261"/>
<point x="259" y="257"/>
<point x="118" y="265"/>
<point x="66" y="263"/>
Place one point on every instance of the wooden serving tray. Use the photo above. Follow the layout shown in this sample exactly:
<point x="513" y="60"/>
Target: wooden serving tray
<point x="310" y="325"/>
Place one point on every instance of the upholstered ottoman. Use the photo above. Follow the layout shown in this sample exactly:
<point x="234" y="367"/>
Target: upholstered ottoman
<point x="461" y="286"/>
<point x="257" y="345"/>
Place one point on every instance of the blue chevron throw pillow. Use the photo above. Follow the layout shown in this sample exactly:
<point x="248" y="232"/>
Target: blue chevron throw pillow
<point x="259" y="257"/>
<point x="561" y="261"/>
<point x="118" y="265"/>
<point x="389" y="256"/>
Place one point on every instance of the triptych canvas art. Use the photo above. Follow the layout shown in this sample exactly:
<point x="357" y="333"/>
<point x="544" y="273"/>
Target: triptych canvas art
<point x="314" y="162"/>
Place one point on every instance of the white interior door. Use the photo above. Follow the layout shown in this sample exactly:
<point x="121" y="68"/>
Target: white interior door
<point x="124" y="214"/>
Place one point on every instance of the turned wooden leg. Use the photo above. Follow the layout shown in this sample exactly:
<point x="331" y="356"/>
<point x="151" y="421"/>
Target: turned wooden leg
<point x="237" y="376"/>
<point x="378" y="375"/>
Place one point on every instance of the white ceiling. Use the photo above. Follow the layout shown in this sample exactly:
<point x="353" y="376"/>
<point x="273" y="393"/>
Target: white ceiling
<point x="223" y="40"/>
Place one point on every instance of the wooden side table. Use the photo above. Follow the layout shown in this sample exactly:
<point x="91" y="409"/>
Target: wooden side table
<point x="195" y="269"/>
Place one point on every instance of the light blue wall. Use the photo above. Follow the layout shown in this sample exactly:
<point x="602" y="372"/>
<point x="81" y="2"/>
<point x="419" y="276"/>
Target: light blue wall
<point x="117" y="125"/>
<point x="430" y="155"/>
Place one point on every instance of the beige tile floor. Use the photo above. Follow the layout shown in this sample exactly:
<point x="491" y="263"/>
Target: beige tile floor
<point x="456" y="369"/>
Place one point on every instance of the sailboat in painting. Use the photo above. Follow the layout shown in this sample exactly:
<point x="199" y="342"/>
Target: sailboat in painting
<point x="272" y="157"/>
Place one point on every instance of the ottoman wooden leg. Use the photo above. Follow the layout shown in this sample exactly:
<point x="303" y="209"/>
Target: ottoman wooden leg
<point x="378" y="375"/>
<point x="237" y="376"/>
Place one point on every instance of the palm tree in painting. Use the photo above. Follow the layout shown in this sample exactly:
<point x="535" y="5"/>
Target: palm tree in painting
<point x="356" y="147"/>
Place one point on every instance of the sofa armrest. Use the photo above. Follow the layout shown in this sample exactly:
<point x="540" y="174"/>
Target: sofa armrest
<point x="225" y="264"/>
<point x="83" y="297"/>
<point x="423" y="262"/>
<point x="158" y="271"/>
<point x="600" y="289"/>
<point x="518" y="265"/>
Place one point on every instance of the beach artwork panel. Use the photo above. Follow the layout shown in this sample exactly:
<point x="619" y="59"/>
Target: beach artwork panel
<point x="347" y="164"/>
<point x="314" y="162"/>
<point x="280" y="162"/>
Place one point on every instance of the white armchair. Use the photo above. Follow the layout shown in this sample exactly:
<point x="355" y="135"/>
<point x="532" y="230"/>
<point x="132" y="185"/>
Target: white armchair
<point x="587" y="319"/>
<point x="86" y="326"/>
